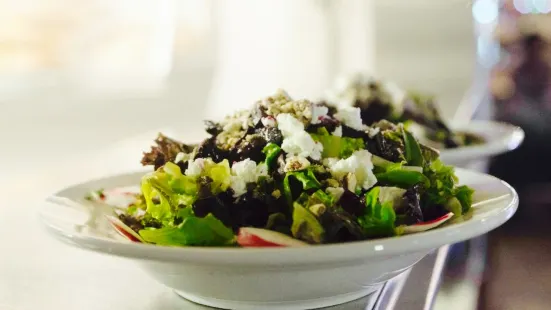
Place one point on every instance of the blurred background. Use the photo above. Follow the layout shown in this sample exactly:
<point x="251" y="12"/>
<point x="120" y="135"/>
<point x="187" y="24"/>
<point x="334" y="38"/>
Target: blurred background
<point x="79" y="78"/>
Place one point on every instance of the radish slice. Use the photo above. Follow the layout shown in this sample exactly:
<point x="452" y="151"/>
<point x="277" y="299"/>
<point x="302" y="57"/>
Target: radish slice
<point x="257" y="237"/>
<point x="424" y="226"/>
<point x="123" y="229"/>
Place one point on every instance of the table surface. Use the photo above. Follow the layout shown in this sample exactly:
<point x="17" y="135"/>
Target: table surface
<point x="46" y="152"/>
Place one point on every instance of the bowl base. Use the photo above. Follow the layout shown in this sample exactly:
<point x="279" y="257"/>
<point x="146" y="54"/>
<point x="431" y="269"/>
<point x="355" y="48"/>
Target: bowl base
<point x="284" y="305"/>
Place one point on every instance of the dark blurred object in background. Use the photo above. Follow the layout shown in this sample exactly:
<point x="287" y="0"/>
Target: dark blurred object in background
<point x="518" y="273"/>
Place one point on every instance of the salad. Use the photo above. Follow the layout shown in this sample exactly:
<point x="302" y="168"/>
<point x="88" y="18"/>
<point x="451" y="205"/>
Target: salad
<point x="290" y="173"/>
<point x="379" y="100"/>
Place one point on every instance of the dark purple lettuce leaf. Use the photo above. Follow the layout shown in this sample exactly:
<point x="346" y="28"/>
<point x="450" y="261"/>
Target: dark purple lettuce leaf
<point x="352" y="203"/>
<point x="213" y="128"/>
<point x="271" y="135"/>
<point x="386" y="148"/>
<point x="412" y="208"/>
<point x="374" y="110"/>
<point x="250" y="148"/>
<point x="340" y="226"/>
<point x="164" y="151"/>
<point x="208" y="148"/>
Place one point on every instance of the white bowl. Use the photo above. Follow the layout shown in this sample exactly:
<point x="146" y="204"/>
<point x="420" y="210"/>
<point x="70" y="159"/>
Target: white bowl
<point x="276" y="278"/>
<point x="499" y="138"/>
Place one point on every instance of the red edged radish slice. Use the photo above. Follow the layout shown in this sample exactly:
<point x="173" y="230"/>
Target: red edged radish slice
<point x="424" y="226"/>
<point x="123" y="229"/>
<point x="258" y="237"/>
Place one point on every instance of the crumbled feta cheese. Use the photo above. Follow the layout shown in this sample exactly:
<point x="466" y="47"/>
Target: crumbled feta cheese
<point x="318" y="113"/>
<point x="373" y="131"/>
<point x="288" y="125"/>
<point x="330" y="161"/>
<point x="268" y="121"/>
<point x="194" y="167"/>
<point x="238" y="185"/>
<point x="350" y="116"/>
<point x="360" y="164"/>
<point x="243" y="172"/>
<point x="338" y="131"/>
<point x="336" y="192"/>
<point x="296" y="163"/>
<point x="182" y="157"/>
<point x="316" y="151"/>
<point x="245" y="169"/>
<point x="297" y="141"/>
<point x="179" y="157"/>
<point x="303" y="145"/>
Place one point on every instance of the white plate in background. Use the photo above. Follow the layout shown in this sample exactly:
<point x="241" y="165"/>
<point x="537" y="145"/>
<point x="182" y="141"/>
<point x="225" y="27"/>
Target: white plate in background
<point x="499" y="138"/>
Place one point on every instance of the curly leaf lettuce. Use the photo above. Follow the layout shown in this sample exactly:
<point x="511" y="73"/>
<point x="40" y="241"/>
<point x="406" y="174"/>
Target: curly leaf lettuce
<point x="464" y="195"/>
<point x="219" y="173"/>
<point x="306" y="178"/>
<point x="271" y="151"/>
<point x="306" y="226"/>
<point x="192" y="231"/>
<point x="165" y="190"/>
<point x="402" y="178"/>
<point x="379" y="218"/>
<point x="442" y="180"/>
<point x="414" y="156"/>
<point x="338" y="147"/>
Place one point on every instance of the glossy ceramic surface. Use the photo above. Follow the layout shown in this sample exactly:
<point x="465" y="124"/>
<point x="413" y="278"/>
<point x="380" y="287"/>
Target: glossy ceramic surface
<point x="499" y="138"/>
<point x="273" y="278"/>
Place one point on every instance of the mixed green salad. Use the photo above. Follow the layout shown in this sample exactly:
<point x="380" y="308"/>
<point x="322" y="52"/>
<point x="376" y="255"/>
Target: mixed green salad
<point x="291" y="172"/>
<point x="379" y="100"/>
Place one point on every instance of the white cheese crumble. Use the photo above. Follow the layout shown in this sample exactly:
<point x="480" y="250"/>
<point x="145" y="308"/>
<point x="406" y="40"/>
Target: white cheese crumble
<point x="297" y="141"/>
<point x="268" y="121"/>
<point x="183" y="157"/>
<point x="359" y="163"/>
<point x="350" y="116"/>
<point x="318" y="113"/>
<point x="194" y="167"/>
<point x="296" y="163"/>
<point x="288" y="125"/>
<point x="179" y="157"/>
<point x="338" y="131"/>
<point x="244" y="172"/>
<point x="372" y="131"/>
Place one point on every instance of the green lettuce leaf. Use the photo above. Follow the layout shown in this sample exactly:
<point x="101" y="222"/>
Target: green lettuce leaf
<point x="306" y="178"/>
<point x="192" y="231"/>
<point x="453" y="205"/>
<point x="414" y="156"/>
<point x="322" y="197"/>
<point x="306" y="226"/>
<point x="442" y="181"/>
<point x="339" y="147"/>
<point x="378" y="219"/>
<point x="220" y="175"/>
<point x="171" y="188"/>
<point x="271" y="151"/>
<point x="402" y="178"/>
<point x="464" y="194"/>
